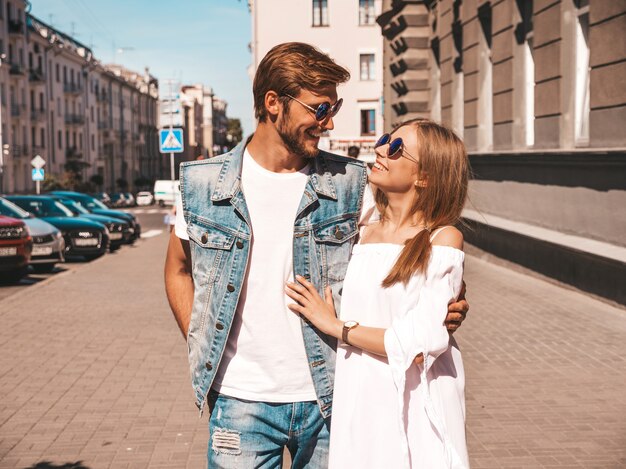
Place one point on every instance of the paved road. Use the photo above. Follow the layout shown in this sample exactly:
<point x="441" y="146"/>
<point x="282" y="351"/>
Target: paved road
<point x="93" y="370"/>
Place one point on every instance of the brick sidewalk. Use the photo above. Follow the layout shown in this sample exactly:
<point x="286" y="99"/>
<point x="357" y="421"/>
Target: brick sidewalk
<point x="93" y="369"/>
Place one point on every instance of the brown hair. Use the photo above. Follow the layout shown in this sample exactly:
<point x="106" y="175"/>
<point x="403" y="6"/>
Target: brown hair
<point x="443" y="163"/>
<point x="290" y="67"/>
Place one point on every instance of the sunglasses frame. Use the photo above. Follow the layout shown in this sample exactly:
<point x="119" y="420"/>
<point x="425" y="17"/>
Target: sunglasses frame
<point x="400" y="148"/>
<point x="332" y="111"/>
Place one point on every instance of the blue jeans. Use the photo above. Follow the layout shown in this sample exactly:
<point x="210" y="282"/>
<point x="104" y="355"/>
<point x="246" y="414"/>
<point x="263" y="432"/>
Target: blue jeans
<point x="248" y="434"/>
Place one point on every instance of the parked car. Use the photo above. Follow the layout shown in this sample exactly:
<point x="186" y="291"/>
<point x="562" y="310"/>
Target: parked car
<point x="103" y="197"/>
<point x="119" y="230"/>
<point x="166" y="192"/>
<point x="97" y="207"/>
<point x="130" y="199"/>
<point x="144" y="198"/>
<point x="84" y="238"/>
<point x="118" y="200"/>
<point x="48" y="243"/>
<point x="16" y="245"/>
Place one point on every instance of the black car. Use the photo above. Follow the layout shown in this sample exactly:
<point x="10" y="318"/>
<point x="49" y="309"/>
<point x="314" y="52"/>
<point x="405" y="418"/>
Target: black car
<point x="95" y="206"/>
<point x="84" y="238"/>
<point x="119" y="230"/>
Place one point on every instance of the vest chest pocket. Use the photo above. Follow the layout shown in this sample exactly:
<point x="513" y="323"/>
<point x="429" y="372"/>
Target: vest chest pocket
<point x="334" y="242"/>
<point x="209" y="247"/>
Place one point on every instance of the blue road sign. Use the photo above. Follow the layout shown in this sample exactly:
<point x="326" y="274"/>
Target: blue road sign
<point x="38" y="174"/>
<point x="171" y="141"/>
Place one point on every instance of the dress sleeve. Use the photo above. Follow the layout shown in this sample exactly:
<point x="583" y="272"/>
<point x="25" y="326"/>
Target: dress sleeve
<point x="422" y="328"/>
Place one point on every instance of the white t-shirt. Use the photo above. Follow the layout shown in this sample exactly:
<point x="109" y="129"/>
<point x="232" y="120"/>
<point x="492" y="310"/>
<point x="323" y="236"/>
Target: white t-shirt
<point x="265" y="359"/>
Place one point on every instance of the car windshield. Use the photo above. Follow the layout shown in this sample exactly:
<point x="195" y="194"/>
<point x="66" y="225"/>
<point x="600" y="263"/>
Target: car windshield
<point x="44" y="207"/>
<point x="9" y="209"/>
<point x="88" y="202"/>
<point x="75" y="207"/>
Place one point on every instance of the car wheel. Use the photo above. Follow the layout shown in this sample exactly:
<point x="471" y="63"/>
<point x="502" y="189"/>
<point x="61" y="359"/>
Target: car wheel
<point x="161" y="204"/>
<point x="114" y="248"/>
<point x="43" y="268"/>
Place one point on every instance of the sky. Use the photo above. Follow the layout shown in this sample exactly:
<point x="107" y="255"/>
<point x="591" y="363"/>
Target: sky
<point x="191" y="41"/>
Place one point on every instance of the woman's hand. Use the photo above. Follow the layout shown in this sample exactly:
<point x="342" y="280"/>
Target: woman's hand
<point x="321" y="313"/>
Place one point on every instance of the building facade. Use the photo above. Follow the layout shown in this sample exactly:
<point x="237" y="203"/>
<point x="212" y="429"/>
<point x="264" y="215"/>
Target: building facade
<point x="536" y="90"/>
<point x="347" y="31"/>
<point x="60" y="102"/>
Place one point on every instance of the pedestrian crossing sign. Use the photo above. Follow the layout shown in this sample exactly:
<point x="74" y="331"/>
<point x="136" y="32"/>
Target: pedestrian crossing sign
<point x="38" y="174"/>
<point x="171" y="140"/>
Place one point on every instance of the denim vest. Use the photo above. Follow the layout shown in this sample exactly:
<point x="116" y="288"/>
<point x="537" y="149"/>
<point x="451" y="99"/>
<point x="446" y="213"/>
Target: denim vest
<point x="219" y="229"/>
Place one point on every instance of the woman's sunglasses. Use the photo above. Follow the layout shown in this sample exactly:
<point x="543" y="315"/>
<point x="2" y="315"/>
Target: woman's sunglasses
<point x="395" y="149"/>
<point x="323" y="110"/>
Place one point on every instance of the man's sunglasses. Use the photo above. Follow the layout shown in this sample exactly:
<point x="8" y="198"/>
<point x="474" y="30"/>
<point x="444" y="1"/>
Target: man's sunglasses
<point x="395" y="149"/>
<point x="323" y="110"/>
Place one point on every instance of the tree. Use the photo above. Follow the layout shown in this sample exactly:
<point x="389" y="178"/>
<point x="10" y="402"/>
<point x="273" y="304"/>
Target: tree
<point x="122" y="184"/>
<point x="97" y="180"/>
<point x="234" y="134"/>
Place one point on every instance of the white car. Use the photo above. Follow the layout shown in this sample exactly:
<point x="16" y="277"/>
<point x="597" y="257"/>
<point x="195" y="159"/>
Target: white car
<point x="144" y="198"/>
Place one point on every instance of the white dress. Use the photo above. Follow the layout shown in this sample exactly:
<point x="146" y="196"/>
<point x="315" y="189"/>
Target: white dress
<point x="391" y="413"/>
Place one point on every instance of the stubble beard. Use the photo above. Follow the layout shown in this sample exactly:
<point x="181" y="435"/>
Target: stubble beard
<point x="294" y="143"/>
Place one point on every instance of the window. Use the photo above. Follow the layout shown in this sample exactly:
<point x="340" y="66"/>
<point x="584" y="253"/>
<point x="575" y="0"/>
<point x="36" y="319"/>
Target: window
<point x="64" y="74"/>
<point x="43" y="138"/>
<point x="33" y="137"/>
<point x="366" y="12"/>
<point x="320" y="12"/>
<point x="368" y="122"/>
<point x="60" y="138"/>
<point x="93" y="143"/>
<point x="581" y="103"/>
<point x="368" y="72"/>
<point x="58" y="74"/>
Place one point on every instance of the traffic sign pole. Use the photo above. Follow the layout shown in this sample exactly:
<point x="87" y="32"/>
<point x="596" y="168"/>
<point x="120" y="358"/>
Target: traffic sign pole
<point x="38" y="187"/>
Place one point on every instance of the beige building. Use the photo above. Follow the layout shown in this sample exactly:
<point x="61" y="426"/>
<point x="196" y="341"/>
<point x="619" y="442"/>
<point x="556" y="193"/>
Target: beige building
<point x="536" y="90"/>
<point x="347" y="31"/>
<point x="61" y="103"/>
<point x="200" y="114"/>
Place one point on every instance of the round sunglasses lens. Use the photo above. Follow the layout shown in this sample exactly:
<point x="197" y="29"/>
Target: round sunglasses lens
<point x="322" y="111"/>
<point x="337" y="106"/>
<point x="383" y="140"/>
<point x="394" y="147"/>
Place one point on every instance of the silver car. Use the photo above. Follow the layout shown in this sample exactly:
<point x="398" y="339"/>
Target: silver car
<point x="48" y="243"/>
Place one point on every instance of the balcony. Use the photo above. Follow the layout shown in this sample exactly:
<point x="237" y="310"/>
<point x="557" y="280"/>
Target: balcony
<point x="16" y="69"/>
<point x="73" y="153"/>
<point x="72" y="88"/>
<point x="19" y="150"/>
<point x="16" y="27"/>
<point x="17" y="110"/>
<point x="37" y="150"/>
<point x="108" y="135"/>
<point x="102" y="97"/>
<point x="103" y="125"/>
<point x="38" y="115"/>
<point x="74" y="119"/>
<point x="36" y="76"/>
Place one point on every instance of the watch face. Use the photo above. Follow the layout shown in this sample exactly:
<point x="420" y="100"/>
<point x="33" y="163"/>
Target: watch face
<point x="350" y="324"/>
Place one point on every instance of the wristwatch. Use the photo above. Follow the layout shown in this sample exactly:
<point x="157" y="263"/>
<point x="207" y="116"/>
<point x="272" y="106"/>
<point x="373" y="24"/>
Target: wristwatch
<point x="347" y="327"/>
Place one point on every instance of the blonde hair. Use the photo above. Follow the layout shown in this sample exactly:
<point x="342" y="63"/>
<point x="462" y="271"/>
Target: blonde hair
<point x="444" y="165"/>
<point x="290" y="67"/>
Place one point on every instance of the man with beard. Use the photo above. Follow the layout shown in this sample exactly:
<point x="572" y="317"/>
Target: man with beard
<point x="248" y="221"/>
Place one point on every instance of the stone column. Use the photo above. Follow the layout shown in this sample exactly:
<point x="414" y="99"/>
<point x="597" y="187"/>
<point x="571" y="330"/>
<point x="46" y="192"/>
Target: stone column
<point x="607" y="35"/>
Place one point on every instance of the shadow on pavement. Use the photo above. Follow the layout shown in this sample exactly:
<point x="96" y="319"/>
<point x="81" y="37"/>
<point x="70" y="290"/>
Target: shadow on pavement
<point x="67" y="465"/>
